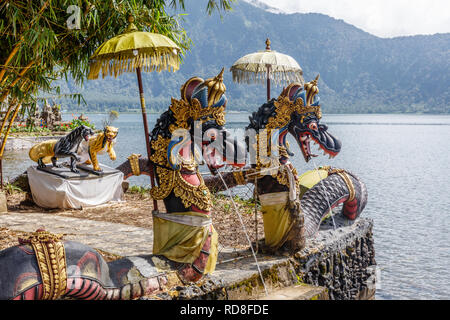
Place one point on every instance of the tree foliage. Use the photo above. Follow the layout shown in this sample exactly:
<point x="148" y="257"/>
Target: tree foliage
<point x="37" y="45"/>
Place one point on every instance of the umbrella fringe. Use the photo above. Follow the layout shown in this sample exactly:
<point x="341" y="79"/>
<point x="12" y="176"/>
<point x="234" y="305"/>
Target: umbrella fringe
<point x="156" y="60"/>
<point x="277" y="78"/>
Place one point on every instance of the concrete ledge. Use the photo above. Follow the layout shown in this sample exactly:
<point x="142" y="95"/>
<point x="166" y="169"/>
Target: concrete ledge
<point x="299" y="292"/>
<point x="26" y="142"/>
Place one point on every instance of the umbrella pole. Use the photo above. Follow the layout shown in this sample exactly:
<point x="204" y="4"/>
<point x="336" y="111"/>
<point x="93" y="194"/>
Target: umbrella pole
<point x="1" y="173"/>
<point x="268" y="82"/>
<point x="147" y="138"/>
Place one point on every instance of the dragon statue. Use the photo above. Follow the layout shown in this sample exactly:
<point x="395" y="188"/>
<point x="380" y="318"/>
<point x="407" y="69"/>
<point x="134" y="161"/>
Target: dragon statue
<point x="182" y="135"/>
<point x="44" y="266"/>
<point x="293" y="206"/>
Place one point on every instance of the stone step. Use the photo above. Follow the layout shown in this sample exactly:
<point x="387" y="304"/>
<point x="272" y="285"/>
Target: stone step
<point x="298" y="292"/>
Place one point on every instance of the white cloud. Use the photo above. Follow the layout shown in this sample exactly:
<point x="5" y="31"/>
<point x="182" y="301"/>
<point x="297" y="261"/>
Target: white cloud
<point x="384" y="18"/>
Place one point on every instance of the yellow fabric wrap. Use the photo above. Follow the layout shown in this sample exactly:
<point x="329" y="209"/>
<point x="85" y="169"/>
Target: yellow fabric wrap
<point x="276" y="218"/>
<point x="310" y="178"/>
<point x="182" y="243"/>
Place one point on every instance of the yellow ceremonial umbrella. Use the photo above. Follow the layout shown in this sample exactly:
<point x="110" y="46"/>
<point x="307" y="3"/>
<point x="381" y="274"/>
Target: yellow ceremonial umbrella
<point x="266" y="65"/>
<point x="131" y="51"/>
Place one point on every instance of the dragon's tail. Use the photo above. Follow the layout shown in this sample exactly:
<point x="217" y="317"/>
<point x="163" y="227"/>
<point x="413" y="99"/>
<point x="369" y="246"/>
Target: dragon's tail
<point x="330" y="192"/>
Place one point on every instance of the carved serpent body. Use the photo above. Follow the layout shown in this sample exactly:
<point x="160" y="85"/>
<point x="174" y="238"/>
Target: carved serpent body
<point x="88" y="276"/>
<point x="333" y="190"/>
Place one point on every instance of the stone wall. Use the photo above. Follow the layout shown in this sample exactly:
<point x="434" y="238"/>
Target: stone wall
<point x="344" y="265"/>
<point x="26" y="142"/>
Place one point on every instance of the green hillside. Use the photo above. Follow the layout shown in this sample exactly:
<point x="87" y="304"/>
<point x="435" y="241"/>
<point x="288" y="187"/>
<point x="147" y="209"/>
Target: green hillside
<point x="360" y="73"/>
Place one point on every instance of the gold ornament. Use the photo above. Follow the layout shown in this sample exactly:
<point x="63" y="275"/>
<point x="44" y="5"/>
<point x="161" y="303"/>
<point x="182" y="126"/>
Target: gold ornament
<point x="51" y="259"/>
<point x="239" y="177"/>
<point x="159" y="155"/>
<point x="133" y="159"/>
<point x="189" y="194"/>
<point x="166" y="179"/>
<point x="267" y="165"/>
<point x="311" y="90"/>
<point x="282" y="150"/>
<point x="348" y="182"/>
<point x="170" y="180"/>
<point x="284" y="109"/>
<point x="185" y="112"/>
<point x="282" y="177"/>
<point x="344" y="175"/>
<point x="216" y="88"/>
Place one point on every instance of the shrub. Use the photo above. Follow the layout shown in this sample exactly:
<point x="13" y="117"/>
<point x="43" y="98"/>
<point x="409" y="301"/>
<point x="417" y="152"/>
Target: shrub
<point x="75" y="123"/>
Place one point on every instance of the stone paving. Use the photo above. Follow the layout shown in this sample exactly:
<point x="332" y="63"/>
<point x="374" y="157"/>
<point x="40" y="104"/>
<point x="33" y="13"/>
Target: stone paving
<point x="120" y="239"/>
<point x="116" y="238"/>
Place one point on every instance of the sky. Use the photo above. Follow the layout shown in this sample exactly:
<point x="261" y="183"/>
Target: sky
<point x="383" y="18"/>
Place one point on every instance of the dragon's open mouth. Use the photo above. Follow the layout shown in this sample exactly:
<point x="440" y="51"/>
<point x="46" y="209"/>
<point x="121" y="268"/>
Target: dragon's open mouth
<point x="304" y="142"/>
<point x="86" y="137"/>
<point x="214" y="160"/>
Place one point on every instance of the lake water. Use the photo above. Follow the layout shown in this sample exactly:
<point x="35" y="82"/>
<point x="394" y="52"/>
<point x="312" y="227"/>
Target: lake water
<point x="404" y="161"/>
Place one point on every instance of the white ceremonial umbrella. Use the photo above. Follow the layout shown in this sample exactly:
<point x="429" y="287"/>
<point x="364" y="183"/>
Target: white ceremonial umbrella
<point x="265" y="66"/>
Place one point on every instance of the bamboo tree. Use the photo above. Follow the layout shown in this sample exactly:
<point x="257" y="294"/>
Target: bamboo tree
<point x="37" y="47"/>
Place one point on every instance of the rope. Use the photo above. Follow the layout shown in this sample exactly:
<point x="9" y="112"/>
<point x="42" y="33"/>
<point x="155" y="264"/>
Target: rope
<point x="245" y="231"/>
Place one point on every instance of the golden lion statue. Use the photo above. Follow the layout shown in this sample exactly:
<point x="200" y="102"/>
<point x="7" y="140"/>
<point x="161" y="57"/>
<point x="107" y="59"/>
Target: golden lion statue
<point x="97" y="145"/>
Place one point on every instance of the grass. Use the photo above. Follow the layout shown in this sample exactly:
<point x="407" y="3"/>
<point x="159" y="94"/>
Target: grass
<point x="143" y="191"/>
<point x="246" y="206"/>
<point x="220" y="201"/>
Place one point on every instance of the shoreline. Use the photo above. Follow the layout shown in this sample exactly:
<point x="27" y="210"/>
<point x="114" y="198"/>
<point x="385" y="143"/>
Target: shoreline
<point x="249" y="112"/>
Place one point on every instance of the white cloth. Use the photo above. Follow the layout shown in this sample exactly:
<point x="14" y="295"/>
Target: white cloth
<point x="292" y="185"/>
<point x="52" y="191"/>
<point x="274" y="198"/>
<point x="193" y="221"/>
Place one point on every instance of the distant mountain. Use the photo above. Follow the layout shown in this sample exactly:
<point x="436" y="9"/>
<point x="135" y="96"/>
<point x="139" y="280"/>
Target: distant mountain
<point x="359" y="72"/>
